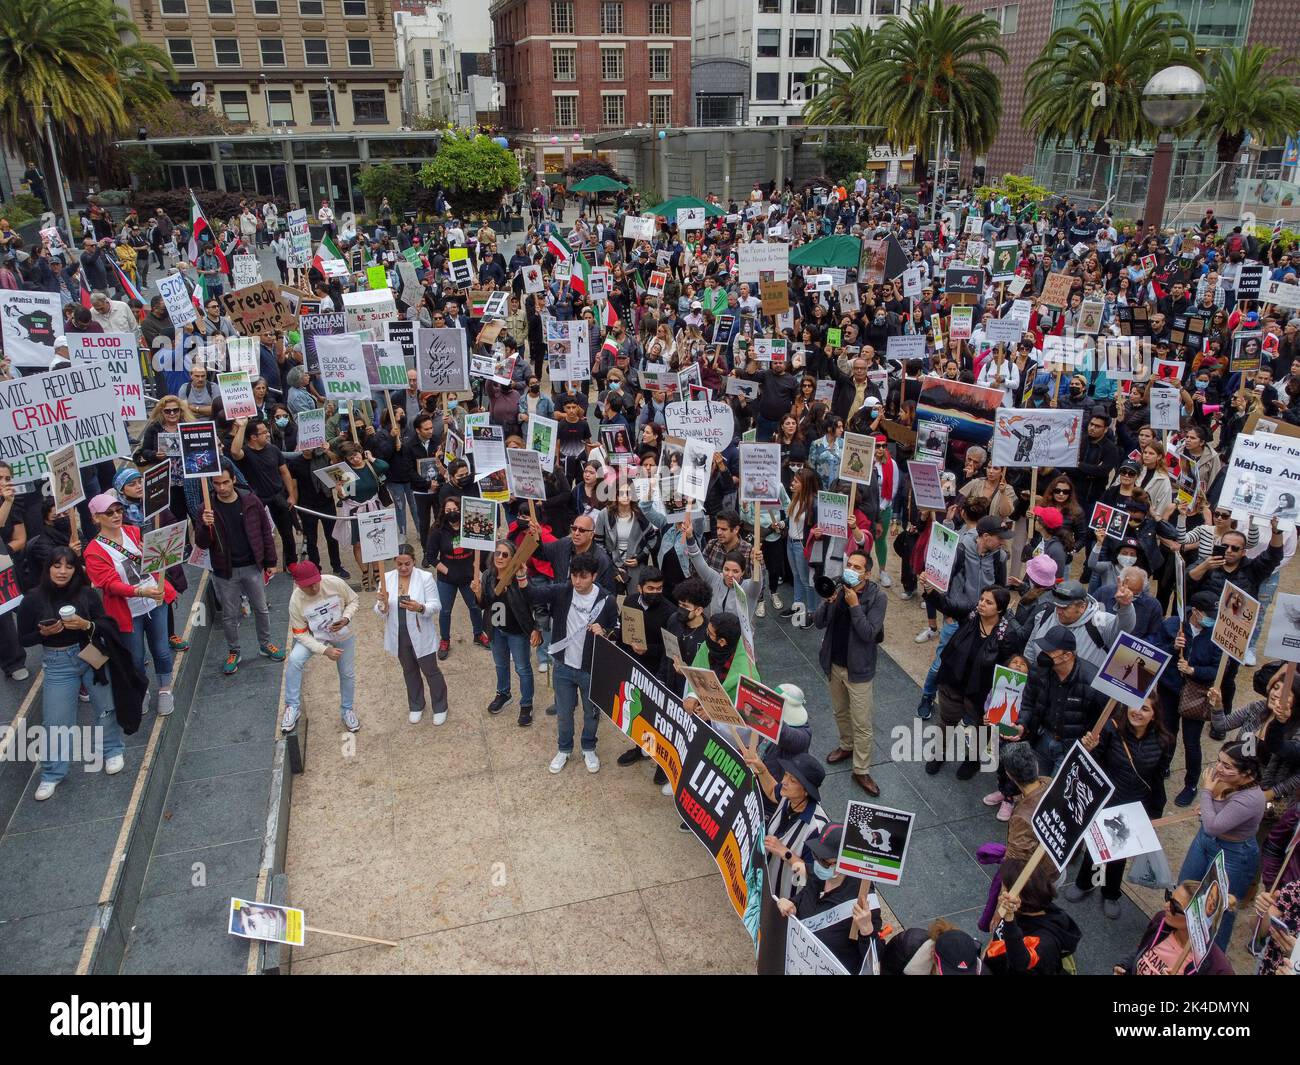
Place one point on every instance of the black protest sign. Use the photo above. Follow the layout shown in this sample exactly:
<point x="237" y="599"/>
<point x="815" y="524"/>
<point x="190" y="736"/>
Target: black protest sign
<point x="1076" y="795"/>
<point x="199" y="451"/>
<point x="402" y="333"/>
<point x="963" y="284"/>
<point x="157" y="489"/>
<point x="1248" y="282"/>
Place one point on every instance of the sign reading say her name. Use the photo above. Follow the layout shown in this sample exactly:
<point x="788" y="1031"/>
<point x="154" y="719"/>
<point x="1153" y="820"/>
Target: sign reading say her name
<point x="44" y="412"/>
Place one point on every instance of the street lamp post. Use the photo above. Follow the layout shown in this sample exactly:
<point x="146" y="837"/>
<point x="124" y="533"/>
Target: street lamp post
<point x="58" y="173"/>
<point x="1171" y="98"/>
<point x="938" y="158"/>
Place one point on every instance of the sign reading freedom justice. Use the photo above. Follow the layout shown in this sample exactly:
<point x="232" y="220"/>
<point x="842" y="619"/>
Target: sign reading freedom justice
<point x="714" y="790"/>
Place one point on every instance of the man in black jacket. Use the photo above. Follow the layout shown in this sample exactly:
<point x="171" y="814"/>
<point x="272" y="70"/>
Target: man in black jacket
<point x="418" y="448"/>
<point x="1060" y="704"/>
<point x="580" y="541"/>
<point x="778" y="388"/>
<point x="1097" y="461"/>
<point x="657" y="612"/>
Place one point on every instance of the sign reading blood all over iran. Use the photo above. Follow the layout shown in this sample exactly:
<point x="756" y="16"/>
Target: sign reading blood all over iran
<point x="117" y="352"/>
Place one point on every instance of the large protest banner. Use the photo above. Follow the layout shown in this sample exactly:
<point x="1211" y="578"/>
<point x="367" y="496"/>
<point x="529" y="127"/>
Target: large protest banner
<point x="967" y="410"/>
<point x="1029" y="438"/>
<point x="116" y="351"/>
<point x="1263" y="474"/>
<point x="29" y="322"/>
<point x="714" y="790"/>
<point x="442" y="360"/>
<point x="44" y="412"/>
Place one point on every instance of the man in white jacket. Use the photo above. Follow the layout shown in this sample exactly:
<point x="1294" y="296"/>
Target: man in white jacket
<point x="1094" y="629"/>
<point x="320" y="618"/>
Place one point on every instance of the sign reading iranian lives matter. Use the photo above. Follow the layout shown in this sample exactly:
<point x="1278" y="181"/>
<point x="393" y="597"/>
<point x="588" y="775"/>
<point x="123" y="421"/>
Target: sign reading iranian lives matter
<point x="442" y="361"/>
<point x="874" y="845"/>
<point x="199" y="449"/>
<point x="1078" y="791"/>
<point x="1131" y="670"/>
<point x="44" y="412"/>
<point x="1028" y="438"/>
<point x="117" y="352"/>
<point x="833" y="514"/>
<point x="1234" y="626"/>
<point x="940" y="555"/>
<point x="760" y="473"/>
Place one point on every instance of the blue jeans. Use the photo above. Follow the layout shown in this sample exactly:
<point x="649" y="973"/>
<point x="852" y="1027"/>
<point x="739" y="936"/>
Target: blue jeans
<point x="931" y="688"/>
<point x="65" y="674"/>
<point x="569" y="682"/>
<point x="507" y="644"/>
<point x="1241" y="859"/>
<point x="447" y="597"/>
<point x="403" y="500"/>
<point x="1266" y="591"/>
<point x="297" y="661"/>
<point x="1051" y="753"/>
<point x="803" y="589"/>
<point x="152" y="627"/>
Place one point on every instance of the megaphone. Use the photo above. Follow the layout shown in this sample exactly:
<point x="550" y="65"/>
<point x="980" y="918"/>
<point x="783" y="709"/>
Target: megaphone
<point x="824" y="585"/>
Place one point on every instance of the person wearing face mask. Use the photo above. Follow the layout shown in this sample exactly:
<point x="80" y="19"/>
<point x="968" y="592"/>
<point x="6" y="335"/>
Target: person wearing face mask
<point x="455" y="569"/>
<point x="532" y="403"/>
<point x="1060" y="705"/>
<point x="658" y="612"/>
<point x="797" y="818"/>
<point x="689" y="625"/>
<point x="725" y="653"/>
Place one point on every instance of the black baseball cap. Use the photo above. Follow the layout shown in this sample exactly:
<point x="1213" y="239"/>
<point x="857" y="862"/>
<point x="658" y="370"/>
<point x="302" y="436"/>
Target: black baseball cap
<point x="827" y="845"/>
<point x="989" y="524"/>
<point x="956" y="954"/>
<point x="1058" y="638"/>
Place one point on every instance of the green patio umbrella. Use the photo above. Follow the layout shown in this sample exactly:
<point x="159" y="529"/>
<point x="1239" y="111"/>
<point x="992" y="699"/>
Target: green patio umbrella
<point x="597" y="183"/>
<point x="669" y="210"/>
<point x="839" y="251"/>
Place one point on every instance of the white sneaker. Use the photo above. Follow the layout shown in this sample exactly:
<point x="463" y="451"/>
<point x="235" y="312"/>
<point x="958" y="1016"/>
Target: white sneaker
<point x="776" y="602"/>
<point x="440" y="719"/>
<point x="593" y="763"/>
<point x="667" y="789"/>
<point x="114" y="765"/>
<point x="906" y="596"/>
<point x="45" y="789"/>
<point x="560" y="760"/>
<point x="761" y="612"/>
<point x="166" y="704"/>
<point x="19" y="674"/>
<point x="1249" y="660"/>
<point x="350" y="721"/>
<point x="926" y="633"/>
<point x="290" y="719"/>
<point x="414" y="716"/>
<point x="886" y="581"/>
<point x="543" y="667"/>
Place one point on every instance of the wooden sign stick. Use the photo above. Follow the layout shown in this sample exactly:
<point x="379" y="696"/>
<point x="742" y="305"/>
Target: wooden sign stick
<point x="864" y="889"/>
<point x="349" y="935"/>
<point x="1102" y="717"/>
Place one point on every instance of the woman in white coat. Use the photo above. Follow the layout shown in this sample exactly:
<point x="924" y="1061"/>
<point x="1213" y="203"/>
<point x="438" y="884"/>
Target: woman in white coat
<point x="408" y="600"/>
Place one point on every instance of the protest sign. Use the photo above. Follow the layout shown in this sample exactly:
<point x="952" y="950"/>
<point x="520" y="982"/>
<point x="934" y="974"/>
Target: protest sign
<point x="1131" y="670"/>
<point x="1166" y="407"/>
<point x="703" y="685"/>
<point x="43" y="412"/>
<point x="266" y="922"/>
<point x="525" y="474"/>
<point x="912" y="282"/>
<point x="697" y="460"/>
<point x="1263" y="468"/>
<point x="873" y="262"/>
<point x="963" y="284"/>
<point x="299" y="238"/>
<point x="1003" y="263"/>
<point x="118" y="353"/>
<point x="478" y="524"/>
<point x="1113" y="519"/>
<point x="774" y="295"/>
<point x="1044" y="437"/>
<point x="931" y="442"/>
<point x="11" y="593"/>
<point x="65" y="478"/>
<point x="369" y="310"/>
<point x="29" y="322"/>
<point x="632" y="625"/>
<point x="1056" y="290"/>
<point x="858" y="458"/>
<point x="961" y="322"/>
<point x="1002" y="707"/>
<point x="927" y="486"/>
<point x="874" y="844"/>
<point x="1234" y="625"/>
<point x="541" y="438"/>
<point x="176" y="295"/>
<point x="343" y="368"/>
<point x="246" y="270"/>
<point x="904" y="348"/>
<point x="163" y="548"/>
<point x="257" y="309"/>
<point x="760" y="707"/>
<point x="704" y="420"/>
<point x="157" y="490"/>
<point x="967" y="410"/>
<point x="806" y="955"/>
<point x="311" y="428"/>
<point x="1284" y="630"/>
<point x="833" y="514"/>
<point x="1121" y="358"/>
<point x="338" y="478"/>
<point x="690" y="218"/>
<point x="442" y="361"/>
<point x="1120" y="832"/>
<point x="738" y="386"/>
<point x="760" y="473"/>
<point x="199" y="451"/>
<point x="756" y="258"/>
<point x="714" y="791"/>
<point x="940" y="555"/>
<point x="377" y="534"/>
<point x="237" y="394"/>
<point x="1003" y="330"/>
<point x="639" y="227"/>
<point x="1205" y="911"/>
<point x="1077" y="793"/>
<point x="769" y="349"/>
<point x="488" y="448"/>
<point x="331" y="323"/>
<point x="385" y="363"/>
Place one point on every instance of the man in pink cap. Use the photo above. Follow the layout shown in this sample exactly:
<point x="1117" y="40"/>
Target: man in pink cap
<point x="320" y="618"/>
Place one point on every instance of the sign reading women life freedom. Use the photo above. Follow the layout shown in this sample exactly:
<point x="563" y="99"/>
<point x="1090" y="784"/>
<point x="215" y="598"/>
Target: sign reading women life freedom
<point x="441" y="360"/>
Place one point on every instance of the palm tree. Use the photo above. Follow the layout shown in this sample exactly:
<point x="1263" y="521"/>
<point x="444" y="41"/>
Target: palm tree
<point x="1248" y="93"/>
<point x="79" y="62"/>
<point x="839" y="99"/>
<point x="1086" y="85"/>
<point x="936" y="59"/>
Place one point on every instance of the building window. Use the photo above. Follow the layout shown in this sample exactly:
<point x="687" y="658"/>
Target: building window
<point x="769" y="44"/>
<point x="661" y="110"/>
<point x="768" y="120"/>
<point x="566" y="111"/>
<point x="272" y="51"/>
<point x="611" y="64"/>
<point x="226" y="50"/>
<point x="311" y="7"/>
<point x="719" y="109"/>
<point x="661" y="64"/>
<point x="611" y="109"/>
<point x="661" y="18"/>
<point x="234" y="105"/>
<point x="181" y="50"/>
<point x="561" y="16"/>
<point x="174" y="7"/>
<point x="279" y="103"/>
<point x="769" y="7"/>
<point x="370" y="107"/>
<point x="767" y="86"/>
<point x="266" y="7"/>
<point x="316" y="51"/>
<point x="221" y="7"/>
<point x="801" y="87"/>
<point x="359" y="53"/>
<point x="805" y="44"/>
<point x="611" y="19"/>
<point x="846" y="7"/>
<point x="564" y="64"/>
<point x="321" y="103"/>
<point x="1010" y="18"/>
<point x="354" y="8"/>
<point x="428" y="63"/>
<point x="885" y="7"/>
<point x="806" y="7"/>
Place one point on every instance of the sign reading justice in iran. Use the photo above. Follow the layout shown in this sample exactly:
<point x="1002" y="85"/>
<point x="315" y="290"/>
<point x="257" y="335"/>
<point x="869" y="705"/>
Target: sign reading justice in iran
<point x="44" y="412"/>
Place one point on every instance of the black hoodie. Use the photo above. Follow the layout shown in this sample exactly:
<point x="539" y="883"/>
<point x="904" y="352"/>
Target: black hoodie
<point x="1033" y="944"/>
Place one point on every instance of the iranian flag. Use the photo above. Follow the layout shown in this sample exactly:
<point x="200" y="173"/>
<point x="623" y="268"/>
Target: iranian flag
<point x="199" y="229"/>
<point x="558" y="246"/>
<point x="581" y="271"/>
<point x="608" y="316"/>
<point x="325" y="251"/>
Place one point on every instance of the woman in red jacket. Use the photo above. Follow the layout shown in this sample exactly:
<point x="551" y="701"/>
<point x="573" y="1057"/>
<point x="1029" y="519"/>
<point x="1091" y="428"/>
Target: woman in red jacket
<point x="135" y="602"/>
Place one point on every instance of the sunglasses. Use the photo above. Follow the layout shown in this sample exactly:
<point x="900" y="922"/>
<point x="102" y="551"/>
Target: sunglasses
<point x="504" y="554"/>
<point x="579" y="528"/>
<point x="1223" y="515"/>
<point x="1175" y="907"/>
<point x="172" y="410"/>
<point x="114" y="510"/>
<point x="1061" y="491"/>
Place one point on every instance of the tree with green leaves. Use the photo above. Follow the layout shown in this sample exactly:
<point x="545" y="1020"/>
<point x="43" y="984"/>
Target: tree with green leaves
<point x="1248" y="91"/>
<point x="473" y="169"/>
<point x="936" y="59"/>
<point x="1086" y="85"/>
<point x="839" y="99"/>
<point x="389" y="180"/>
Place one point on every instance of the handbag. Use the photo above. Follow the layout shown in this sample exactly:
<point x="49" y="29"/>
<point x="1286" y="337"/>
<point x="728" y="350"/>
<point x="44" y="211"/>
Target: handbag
<point x="1192" y="701"/>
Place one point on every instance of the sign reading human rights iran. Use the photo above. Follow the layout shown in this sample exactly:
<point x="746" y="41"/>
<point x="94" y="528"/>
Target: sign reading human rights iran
<point x="441" y="360"/>
<point x="29" y="322"/>
<point x="1263" y="468"/>
<point x="118" y="353"/>
<point x="1077" y="793"/>
<point x="44" y="412"/>
<point x="715" y="793"/>
<point x="343" y="367"/>
<point x="1028" y="438"/>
